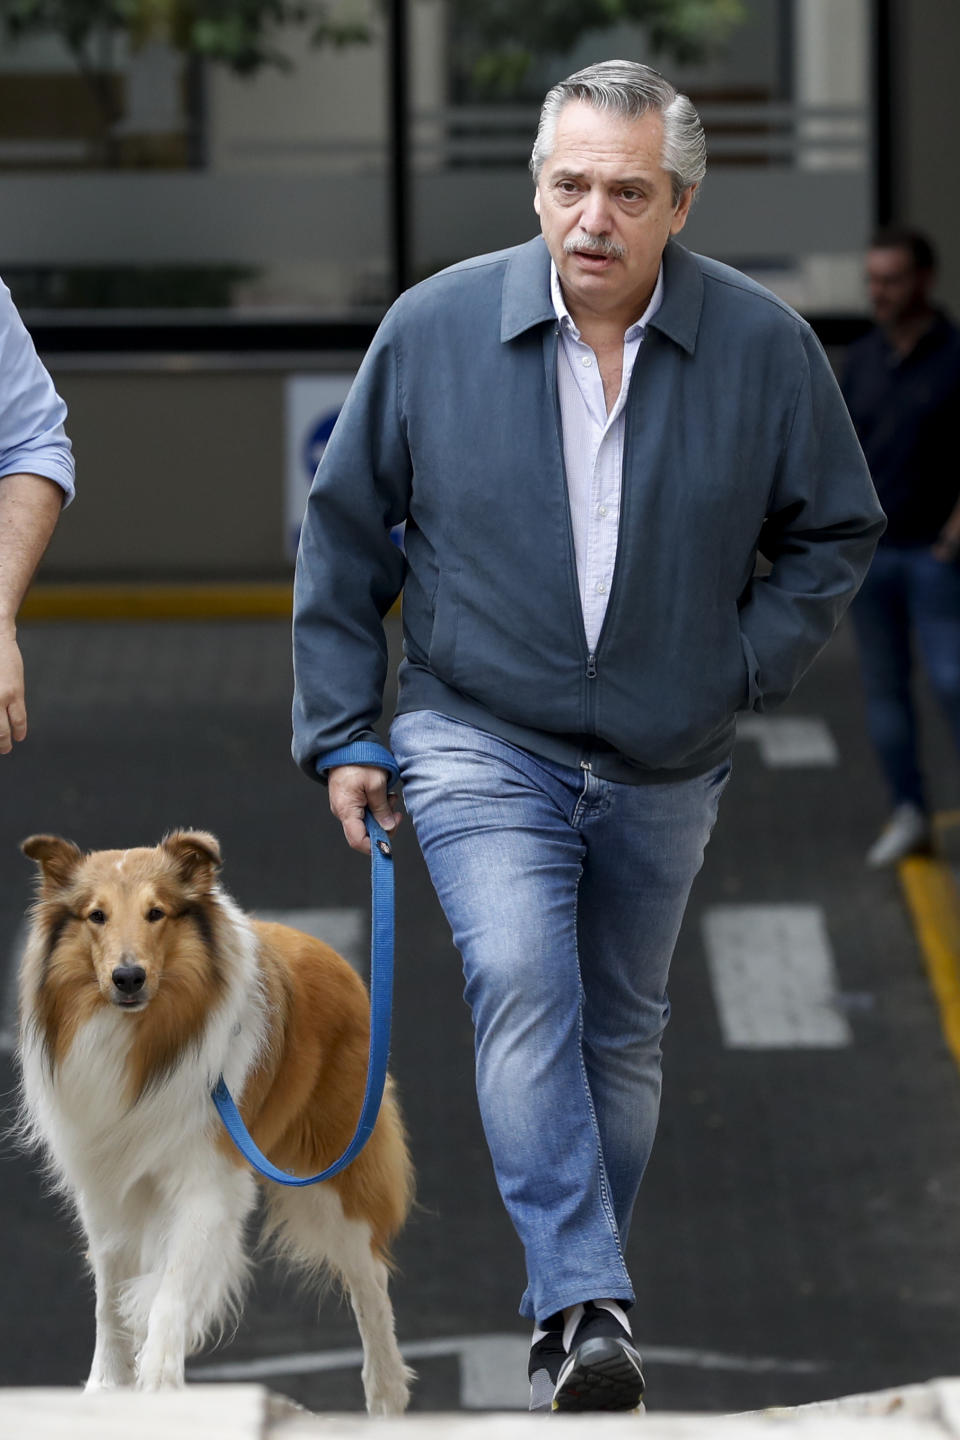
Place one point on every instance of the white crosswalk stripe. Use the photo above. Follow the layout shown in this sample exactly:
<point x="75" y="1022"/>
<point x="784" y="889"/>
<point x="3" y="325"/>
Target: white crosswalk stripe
<point x="790" y="742"/>
<point x="773" y="977"/>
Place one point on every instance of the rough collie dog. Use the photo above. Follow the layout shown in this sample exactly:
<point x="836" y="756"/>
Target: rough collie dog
<point x="141" y="982"/>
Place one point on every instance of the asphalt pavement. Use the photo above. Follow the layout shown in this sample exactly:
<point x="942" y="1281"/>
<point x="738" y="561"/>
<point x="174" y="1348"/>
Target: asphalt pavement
<point x="798" y="1233"/>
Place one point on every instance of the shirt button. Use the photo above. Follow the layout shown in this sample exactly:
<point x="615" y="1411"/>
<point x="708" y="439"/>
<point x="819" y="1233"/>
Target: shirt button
<point x="586" y="362"/>
<point x="601" y="588"/>
<point x="602" y="510"/>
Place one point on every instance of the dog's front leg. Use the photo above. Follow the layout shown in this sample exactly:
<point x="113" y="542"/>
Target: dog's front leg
<point x="201" y="1272"/>
<point x="113" y="1359"/>
<point x="160" y="1362"/>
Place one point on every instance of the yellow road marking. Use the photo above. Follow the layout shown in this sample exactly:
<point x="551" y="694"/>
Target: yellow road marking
<point x="156" y="602"/>
<point x="255" y="601"/>
<point x="934" y="903"/>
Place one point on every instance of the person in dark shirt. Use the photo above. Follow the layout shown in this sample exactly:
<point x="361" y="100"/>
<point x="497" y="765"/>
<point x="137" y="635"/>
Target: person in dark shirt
<point x="902" y="387"/>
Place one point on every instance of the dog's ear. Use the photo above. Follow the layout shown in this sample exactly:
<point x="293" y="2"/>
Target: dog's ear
<point x="196" y="852"/>
<point x="57" y="858"/>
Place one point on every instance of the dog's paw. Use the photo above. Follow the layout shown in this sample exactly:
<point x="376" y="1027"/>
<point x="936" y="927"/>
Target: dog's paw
<point x="388" y="1394"/>
<point x="96" y="1385"/>
<point x="160" y="1369"/>
<point x="166" y="1379"/>
<point x="119" y="1376"/>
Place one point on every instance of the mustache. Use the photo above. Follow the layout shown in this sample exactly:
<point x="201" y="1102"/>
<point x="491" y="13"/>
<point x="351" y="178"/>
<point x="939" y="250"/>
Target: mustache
<point x="597" y="244"/>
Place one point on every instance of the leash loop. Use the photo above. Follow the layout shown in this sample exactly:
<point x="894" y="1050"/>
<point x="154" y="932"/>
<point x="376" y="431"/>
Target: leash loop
<point x="381" y="999"/>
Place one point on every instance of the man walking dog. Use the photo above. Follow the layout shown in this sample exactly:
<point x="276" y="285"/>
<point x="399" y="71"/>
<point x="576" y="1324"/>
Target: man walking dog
<point x="589" y="437"/>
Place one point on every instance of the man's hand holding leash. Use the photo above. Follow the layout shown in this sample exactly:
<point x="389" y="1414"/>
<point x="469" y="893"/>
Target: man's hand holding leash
<point x="355" y="789"/>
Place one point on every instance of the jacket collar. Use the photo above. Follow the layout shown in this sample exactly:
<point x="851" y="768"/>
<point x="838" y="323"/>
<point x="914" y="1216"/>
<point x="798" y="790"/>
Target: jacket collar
<point x="526" y="290"/>
<point x="526" y="293"/>
<point x="679" y="315"/>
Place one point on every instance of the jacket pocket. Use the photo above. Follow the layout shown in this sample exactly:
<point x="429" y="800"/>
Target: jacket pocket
<point x="754" y="696"/>
<point x="443" y="634"/>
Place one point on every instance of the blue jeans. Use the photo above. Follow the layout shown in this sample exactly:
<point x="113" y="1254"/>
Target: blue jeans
<point x="907" y="596"/>
<point x="565" y="894"/>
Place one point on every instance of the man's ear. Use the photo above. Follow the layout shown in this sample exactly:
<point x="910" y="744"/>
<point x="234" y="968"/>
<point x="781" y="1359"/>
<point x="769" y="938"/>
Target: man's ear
<point x="536" y="199"/>
<point x="57" y="859"/>
<point x="682" y="210"/>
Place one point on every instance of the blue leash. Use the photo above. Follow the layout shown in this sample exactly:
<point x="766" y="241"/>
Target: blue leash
<point x="381" y="997"/>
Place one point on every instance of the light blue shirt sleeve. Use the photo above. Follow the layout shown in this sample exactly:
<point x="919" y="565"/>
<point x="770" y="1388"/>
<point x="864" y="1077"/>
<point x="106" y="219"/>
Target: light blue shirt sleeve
<point x="32" y="437"/>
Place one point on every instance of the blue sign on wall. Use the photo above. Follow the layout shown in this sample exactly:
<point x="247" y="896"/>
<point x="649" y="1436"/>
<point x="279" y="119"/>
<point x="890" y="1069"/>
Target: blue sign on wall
<point x="316" y="443"/>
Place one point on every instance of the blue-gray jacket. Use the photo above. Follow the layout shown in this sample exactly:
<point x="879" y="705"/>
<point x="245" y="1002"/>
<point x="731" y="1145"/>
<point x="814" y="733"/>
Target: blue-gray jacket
<point x="737" y="440"/>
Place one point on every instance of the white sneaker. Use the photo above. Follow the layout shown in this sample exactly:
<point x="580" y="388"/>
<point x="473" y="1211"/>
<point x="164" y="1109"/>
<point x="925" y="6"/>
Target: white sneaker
<point x="907" y="832"/>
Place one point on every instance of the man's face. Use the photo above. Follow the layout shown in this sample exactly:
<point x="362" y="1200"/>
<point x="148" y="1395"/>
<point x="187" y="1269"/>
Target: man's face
<point x="606" y="210"/>
<point x="896" y="287"/>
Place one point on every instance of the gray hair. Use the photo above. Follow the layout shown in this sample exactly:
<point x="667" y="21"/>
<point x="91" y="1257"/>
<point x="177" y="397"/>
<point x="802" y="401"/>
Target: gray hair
<point x="630" y="89"/>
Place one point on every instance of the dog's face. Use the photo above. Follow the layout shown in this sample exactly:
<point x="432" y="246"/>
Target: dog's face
<point x="130" y="917"/>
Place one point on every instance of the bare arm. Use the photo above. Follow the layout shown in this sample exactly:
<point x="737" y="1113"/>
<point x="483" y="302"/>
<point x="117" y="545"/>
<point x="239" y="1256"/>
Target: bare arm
<point x="354" y="789"/>
<point x="29" y="508"/>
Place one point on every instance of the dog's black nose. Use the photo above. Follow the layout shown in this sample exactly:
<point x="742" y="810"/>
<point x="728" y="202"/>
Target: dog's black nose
<point x="128" y="979"/>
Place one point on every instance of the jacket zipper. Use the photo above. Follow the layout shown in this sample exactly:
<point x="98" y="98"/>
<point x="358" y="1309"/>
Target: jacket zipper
<point x="591" y="666"/>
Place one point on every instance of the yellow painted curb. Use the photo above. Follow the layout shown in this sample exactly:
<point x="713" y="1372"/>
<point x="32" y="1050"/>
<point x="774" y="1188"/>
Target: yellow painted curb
<point x="263" y="601"/>
<point x="934" y="902"/>
<point x="157" y="602"/>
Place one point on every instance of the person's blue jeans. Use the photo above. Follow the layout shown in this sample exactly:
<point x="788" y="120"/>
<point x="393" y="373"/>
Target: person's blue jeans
<point x="908" y="597"/>
<point x="565" y="895"/>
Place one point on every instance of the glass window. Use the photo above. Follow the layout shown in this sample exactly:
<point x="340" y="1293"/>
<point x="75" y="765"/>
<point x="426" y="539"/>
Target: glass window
<point x="138" y="179"/>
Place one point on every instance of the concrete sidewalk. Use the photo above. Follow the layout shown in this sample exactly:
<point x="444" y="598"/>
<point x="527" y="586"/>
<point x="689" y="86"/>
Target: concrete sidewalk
<point x="250" y="1412"/>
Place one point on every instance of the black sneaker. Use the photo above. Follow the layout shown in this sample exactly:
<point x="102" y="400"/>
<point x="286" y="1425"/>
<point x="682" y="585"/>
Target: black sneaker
<point x="546" y="1357"/>
<point x="602" y="1368"/>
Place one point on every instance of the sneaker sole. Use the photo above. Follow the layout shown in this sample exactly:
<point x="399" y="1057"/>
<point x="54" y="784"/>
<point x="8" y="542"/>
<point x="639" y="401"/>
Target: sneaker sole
<point x="601" y="1376"/>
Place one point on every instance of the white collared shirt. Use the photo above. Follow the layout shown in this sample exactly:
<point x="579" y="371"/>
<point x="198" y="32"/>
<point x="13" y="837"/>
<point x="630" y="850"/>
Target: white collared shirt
<point x="593" y="451"/>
